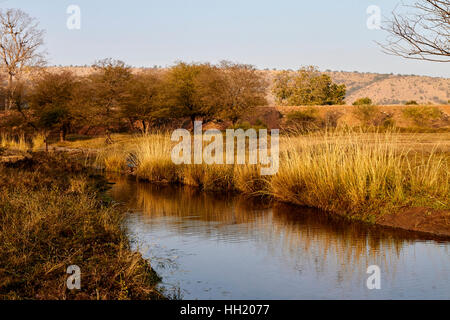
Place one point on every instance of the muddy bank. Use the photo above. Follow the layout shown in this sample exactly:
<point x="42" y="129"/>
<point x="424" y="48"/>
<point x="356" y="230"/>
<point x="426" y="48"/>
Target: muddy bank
<point x="426" y="220"/>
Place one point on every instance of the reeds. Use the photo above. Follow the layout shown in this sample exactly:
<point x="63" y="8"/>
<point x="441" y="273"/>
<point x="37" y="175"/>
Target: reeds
<point x="353" y="173"/>
<point x="151" y="156"/>
<point x="17" y="142"/>
<point x="38" y="142"/>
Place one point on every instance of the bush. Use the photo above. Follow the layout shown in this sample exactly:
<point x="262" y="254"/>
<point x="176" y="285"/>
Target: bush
<point x="363" y="101"/>
<point x="367" y="114"/>
<point x="386" y="120"/>
<point x="332" y="117"/>
<point x="411" y="102"/>
<point x="422" y="115"/>
<point x="304" y="120"/>
<point x="245" y="125"/>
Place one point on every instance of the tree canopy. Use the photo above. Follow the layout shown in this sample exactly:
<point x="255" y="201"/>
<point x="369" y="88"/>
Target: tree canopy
<point x="307" y="86"/>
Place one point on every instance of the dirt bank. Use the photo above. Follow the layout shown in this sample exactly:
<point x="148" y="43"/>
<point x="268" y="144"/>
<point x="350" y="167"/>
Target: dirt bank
<point x="427" y="220"/>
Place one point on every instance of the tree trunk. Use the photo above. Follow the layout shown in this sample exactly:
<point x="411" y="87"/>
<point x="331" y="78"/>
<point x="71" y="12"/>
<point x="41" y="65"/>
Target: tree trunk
<point x="144" y="126"/>
<point x="8" y="105"/>
<point x="63" y="133"/>
<point x="109" y="139"/>
<point x="131" y="123"/>
<point x="193" y="122"/>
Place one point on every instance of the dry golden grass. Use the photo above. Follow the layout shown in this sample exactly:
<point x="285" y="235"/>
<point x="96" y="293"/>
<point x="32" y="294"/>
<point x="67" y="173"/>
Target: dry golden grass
<point x="359" y="174"/>
<point x="52" y="216"/>
<point x="350" y="172"/>
<point x="17" y="143"/>
<point x="95" y="143"/>
<point x="38" y="142"/>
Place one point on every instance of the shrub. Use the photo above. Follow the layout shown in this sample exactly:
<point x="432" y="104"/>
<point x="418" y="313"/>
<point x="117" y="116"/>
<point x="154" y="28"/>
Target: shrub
<point x="245" y="125"/>
<point x="387" y="120"/>
<point x="332" y="117"/>
<point x="363" y="101"/>
<point x="367" y="114"/>
<point x="422" y="115"/>
<point x="411" y="102"/>
<point x="304" y="120"/>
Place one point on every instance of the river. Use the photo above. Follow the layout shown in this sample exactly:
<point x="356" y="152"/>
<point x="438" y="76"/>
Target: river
<point x="209" y="246"/>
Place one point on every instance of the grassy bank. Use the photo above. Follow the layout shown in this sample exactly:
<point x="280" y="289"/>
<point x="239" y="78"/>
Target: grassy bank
<point x="52" y="215"/>
<point x="359" y="175"/>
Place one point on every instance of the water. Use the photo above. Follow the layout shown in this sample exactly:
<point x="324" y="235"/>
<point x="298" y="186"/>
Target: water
<point x="229" y="247"/>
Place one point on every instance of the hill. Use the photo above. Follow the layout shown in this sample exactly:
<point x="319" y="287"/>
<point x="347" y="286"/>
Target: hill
<point x="386" y="89"/>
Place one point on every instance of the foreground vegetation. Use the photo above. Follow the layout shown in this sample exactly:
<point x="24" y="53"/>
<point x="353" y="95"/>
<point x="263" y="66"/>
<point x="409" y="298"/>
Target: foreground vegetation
<point x="360" y="175"/>
<point x="52" y="215"/>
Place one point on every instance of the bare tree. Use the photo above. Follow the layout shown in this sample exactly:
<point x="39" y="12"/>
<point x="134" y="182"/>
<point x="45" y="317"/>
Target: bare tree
<point x="20" y="41"/>
<point x="423" y="34"/>
<point x="243" y="89"/>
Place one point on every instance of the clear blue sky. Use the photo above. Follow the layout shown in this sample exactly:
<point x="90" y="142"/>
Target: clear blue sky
<point x="330" y="34"/>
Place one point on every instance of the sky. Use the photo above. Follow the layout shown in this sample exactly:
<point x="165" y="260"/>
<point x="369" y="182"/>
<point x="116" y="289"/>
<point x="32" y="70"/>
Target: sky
<point x="282" y="34"/>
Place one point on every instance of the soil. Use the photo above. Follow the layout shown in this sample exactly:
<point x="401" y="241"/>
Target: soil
<point x="426" y="220"/>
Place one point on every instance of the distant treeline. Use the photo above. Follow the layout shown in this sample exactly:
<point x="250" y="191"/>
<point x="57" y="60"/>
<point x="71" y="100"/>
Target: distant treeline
<point x="115" y="98"/>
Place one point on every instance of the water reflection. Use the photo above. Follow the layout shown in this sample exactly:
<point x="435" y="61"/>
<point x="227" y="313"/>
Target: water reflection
<point x="232" y="247"/>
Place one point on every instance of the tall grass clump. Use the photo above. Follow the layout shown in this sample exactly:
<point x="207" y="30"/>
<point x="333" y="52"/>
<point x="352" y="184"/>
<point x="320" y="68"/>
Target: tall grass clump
<point x="113" y="159"/>
<point x="152" y="158"/>
<point x="214" y="177"/>
<point x="248" y="180"/>
<point x="38" y="142"/>
<point x="429" y="177"/>
<point x="17" y="142"/>
<point x="356" y="174"/>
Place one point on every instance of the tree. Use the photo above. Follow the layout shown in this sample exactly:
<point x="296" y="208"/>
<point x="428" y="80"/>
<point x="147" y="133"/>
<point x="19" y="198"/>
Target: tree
<point x="422" y="35"/>
<point x="145" y="102"/>
<point x="107" y="92"/>
<point x="52" y="102"/>
<point x="20" y="42"/>
<point x="193" y="91"/>
<point x="307" y="86"/>
<point x="243" y="88"/>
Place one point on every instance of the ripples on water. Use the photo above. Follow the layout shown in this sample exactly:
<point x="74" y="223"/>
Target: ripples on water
<point x="231" y="247"/>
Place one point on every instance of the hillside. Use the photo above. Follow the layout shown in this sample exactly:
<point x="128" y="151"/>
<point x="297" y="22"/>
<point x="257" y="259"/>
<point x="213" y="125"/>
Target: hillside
<point x="386" y="89"/>
<point x="394" y="89"/>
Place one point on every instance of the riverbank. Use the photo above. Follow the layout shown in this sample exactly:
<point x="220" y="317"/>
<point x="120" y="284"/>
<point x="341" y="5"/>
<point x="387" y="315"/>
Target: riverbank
<point x="387" y="178"/>
<point x="53" y="214"/>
